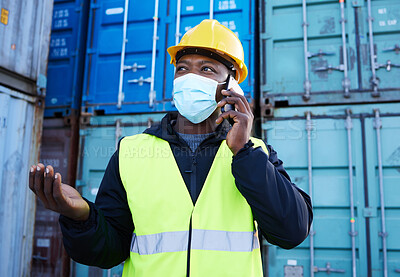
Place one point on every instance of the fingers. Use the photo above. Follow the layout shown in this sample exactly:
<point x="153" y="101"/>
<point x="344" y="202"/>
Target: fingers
<point x="57" y="192"/>
<point x="39" y="184"/>
<point x="32" y="171"/>
<point x="48" y="186"/>
<point x="240" y="102"/>
<point x="229" y="114"/>
<point x="45" y="184"/>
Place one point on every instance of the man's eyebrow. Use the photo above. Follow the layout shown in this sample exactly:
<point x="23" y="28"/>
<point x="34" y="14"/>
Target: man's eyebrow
<point x="183" y="61"/>
<point x="200" y="62"/>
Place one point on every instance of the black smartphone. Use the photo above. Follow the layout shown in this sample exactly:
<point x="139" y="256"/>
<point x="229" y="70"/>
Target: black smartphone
<point x="231" y="83"/>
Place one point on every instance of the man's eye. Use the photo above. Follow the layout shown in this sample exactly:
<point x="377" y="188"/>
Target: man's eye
<point x="208" y="69"/>
<point x="180" y="68"/>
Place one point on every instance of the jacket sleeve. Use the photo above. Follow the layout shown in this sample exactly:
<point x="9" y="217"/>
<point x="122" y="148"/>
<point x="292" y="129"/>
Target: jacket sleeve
<point x="104" y="239"/>
<point x="282" y="210"/>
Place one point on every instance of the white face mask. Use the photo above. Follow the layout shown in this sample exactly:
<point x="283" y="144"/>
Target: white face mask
<point x="194" y="96"/>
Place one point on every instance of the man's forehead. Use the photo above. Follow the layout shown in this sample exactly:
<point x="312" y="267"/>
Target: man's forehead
<point x="198" y="59"/>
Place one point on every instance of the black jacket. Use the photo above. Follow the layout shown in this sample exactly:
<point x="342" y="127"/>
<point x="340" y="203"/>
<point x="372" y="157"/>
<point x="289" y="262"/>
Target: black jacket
<point x="282" y="210"/>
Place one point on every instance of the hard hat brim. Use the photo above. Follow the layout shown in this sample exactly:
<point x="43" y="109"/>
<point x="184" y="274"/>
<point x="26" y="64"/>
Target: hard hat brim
<point x="239" y="65"/>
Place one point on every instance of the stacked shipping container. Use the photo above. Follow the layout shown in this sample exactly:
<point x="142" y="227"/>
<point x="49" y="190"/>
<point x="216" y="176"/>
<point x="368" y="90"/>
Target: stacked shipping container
<point x="24" y="44"/>
<point x="319" y="66"/>
<point x="61" y="126"/>
<point x="321" y="62"/>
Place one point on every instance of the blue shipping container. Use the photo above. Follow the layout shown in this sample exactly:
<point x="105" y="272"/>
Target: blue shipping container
<point x="349" y="192"/>
<point x="99" y="140"/>
<point x="151" y="27"/>
<point x="66" y="57"/>
<point x="302" y="58"/>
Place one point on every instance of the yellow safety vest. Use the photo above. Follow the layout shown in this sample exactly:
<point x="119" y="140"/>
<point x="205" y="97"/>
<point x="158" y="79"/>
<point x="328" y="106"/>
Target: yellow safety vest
<point x="223" y="239"/>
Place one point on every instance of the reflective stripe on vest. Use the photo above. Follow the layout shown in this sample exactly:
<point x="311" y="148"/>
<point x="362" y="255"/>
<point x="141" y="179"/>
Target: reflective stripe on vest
<point x="201" y="240"/>
<point x="223" y="237"/>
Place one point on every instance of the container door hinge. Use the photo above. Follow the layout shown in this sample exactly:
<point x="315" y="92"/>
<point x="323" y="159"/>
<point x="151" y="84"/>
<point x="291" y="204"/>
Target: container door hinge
<point x="328" y="269"/>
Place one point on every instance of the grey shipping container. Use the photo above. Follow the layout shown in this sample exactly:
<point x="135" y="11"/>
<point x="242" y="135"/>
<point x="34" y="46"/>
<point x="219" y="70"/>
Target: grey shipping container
<point x="24" y="44"/>
<point x="20" y="131"/>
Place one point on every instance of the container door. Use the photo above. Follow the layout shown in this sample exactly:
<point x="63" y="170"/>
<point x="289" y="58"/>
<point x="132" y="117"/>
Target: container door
<point x="385" y="225"/>
<point x="66" y="57"/>
<point x="302" y="50"/>
<point x="330" y="245"/>
<point x="385" y="30"/>
<point x="106" y="91"/>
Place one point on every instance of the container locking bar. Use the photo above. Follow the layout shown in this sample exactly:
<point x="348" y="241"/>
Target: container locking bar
<point x="346" y="80"/>
<point x="383" y="233"/>
<point x="374" y="80"/>
<point x="122" y="65"/>
<point x="118" y="132"/>
<point x="309" y="127"/>
<point x="353" y="233"/>
<point x="152" y="92"/>
<point x="328" y="269"/>
<point x="329" y="68"/>
<point x="178" y="21"/>
<point x="134" y="67"/>
<point x="211" y="9"/>
<point x="307" y="83"/>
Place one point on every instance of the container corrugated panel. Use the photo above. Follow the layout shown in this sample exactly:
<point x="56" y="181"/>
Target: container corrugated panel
<point x="66" y="57"/>
<point x="283" y="46"/>
<point x="20" y="130"/>
<point x="331" y="242"/>
<point x="24" y="45"/>
<point x="99" y="140"/>
<point x="47" y="248"/>
<point x="103" y="62"/>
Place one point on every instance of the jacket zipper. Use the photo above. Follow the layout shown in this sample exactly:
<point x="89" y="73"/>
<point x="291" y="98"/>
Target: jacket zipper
<point x="189" y="247"/>
<point x="192" y="189"/>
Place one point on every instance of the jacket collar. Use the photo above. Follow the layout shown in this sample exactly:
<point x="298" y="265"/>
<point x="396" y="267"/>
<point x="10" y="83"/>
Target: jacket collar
<point x="165" y="130"/>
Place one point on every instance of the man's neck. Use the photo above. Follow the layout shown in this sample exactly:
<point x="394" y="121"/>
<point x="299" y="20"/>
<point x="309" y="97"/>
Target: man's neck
<point x="184" y="126"/>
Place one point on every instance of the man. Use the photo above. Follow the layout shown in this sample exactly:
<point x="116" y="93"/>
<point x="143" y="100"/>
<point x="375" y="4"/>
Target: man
<point x="185" y="197"/>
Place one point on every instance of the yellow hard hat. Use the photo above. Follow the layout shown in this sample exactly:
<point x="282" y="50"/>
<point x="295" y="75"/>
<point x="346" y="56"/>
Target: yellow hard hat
<point x="215" y="37"/>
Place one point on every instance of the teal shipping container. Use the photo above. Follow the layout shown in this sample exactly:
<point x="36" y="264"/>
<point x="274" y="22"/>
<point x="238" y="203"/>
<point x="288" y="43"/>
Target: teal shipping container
<point x="347" y="158"/>
<point x="99" y="140"/>
<point x="321" y="52"/>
